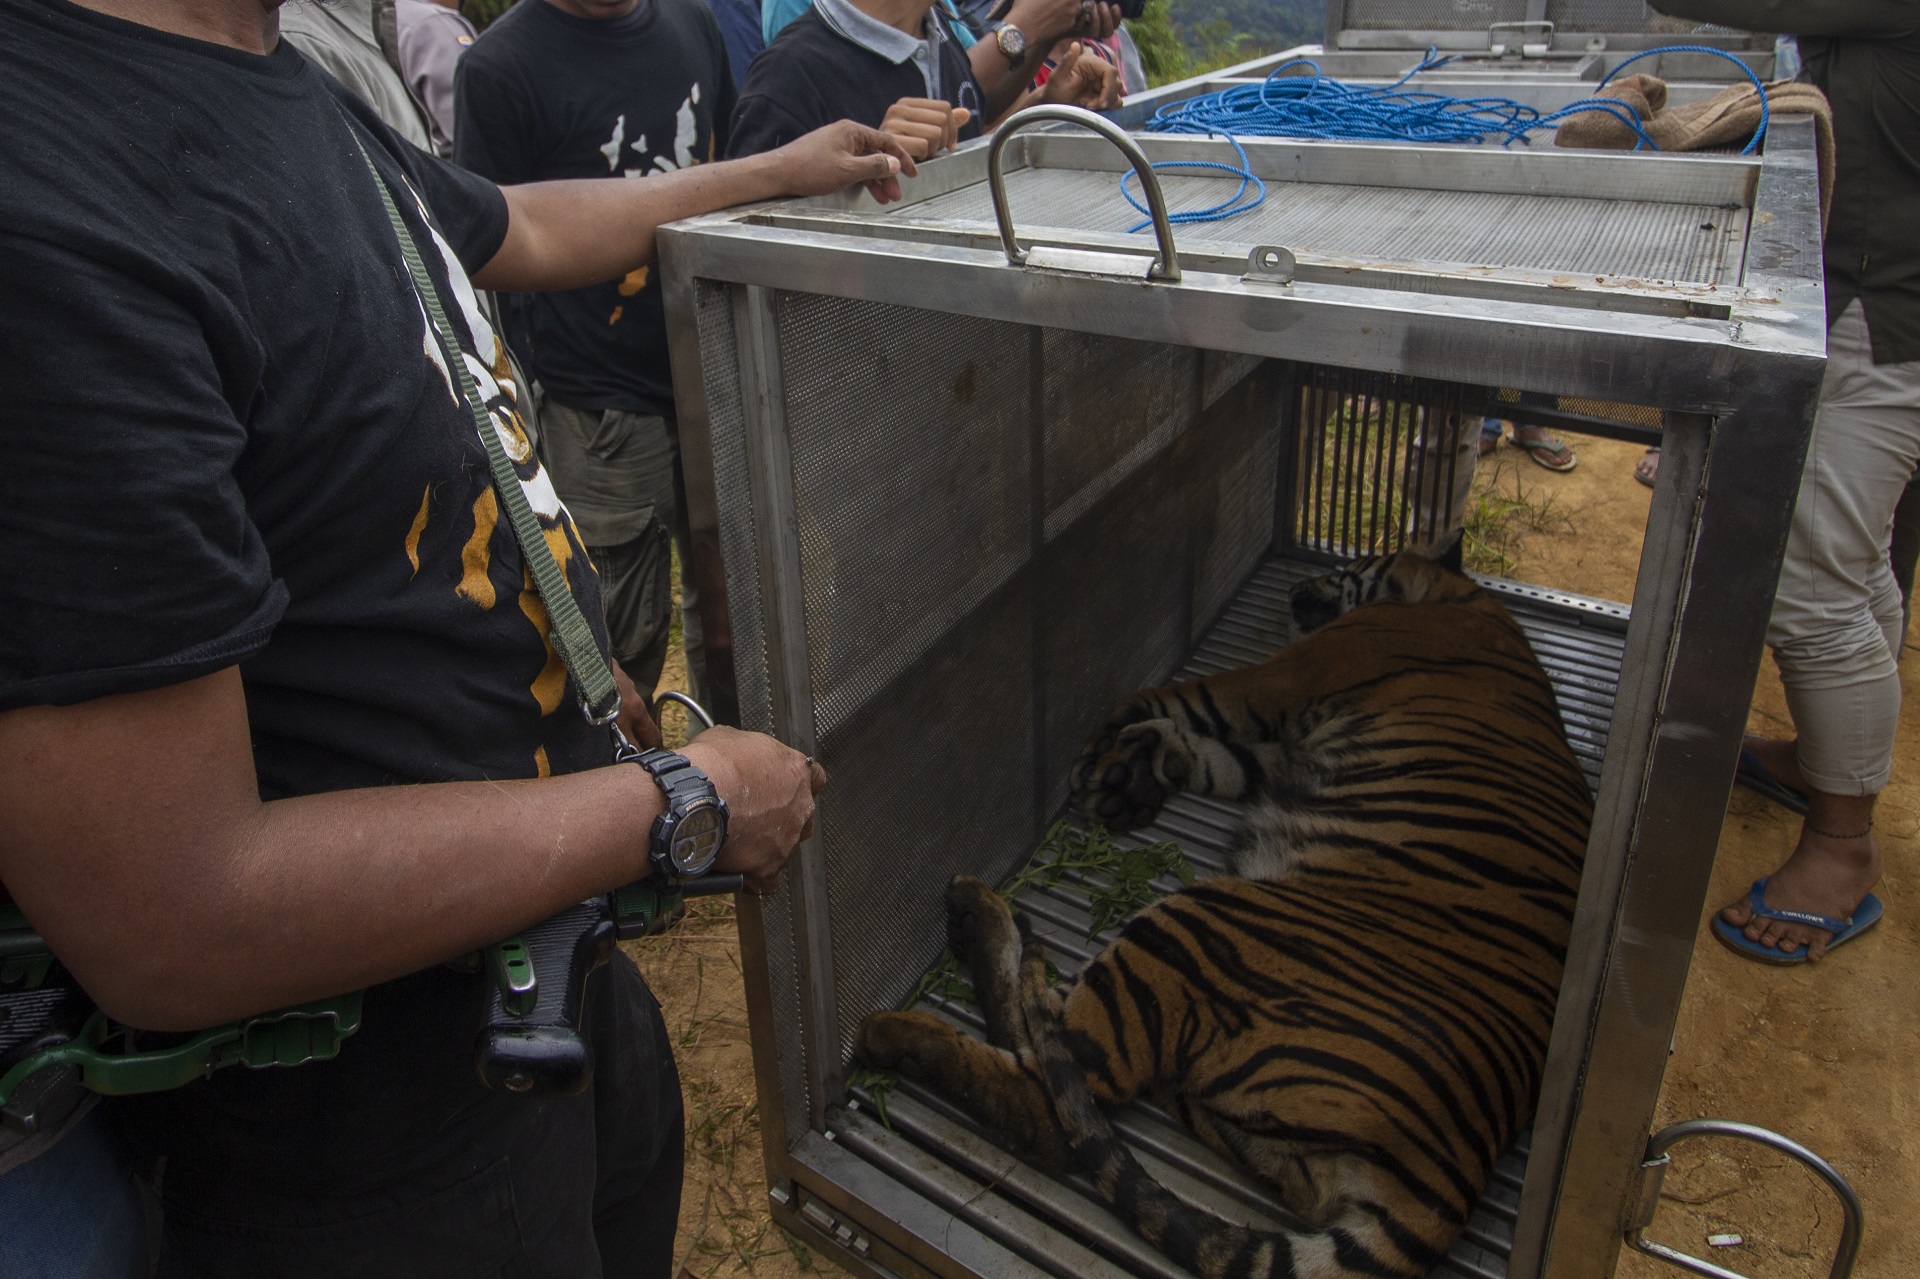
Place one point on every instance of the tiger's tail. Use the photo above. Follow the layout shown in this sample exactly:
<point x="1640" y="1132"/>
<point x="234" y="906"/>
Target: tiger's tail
<point x="1205" y="1244"/>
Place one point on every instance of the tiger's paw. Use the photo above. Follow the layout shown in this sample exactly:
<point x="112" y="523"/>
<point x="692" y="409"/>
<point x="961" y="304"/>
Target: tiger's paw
<point x="1130" y="772"/>
<point x="980" y="924"/>
<point x="912" y="1043"/>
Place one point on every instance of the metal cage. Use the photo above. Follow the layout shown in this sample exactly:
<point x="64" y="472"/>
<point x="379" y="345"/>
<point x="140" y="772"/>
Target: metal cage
<point x="949" y="506"/>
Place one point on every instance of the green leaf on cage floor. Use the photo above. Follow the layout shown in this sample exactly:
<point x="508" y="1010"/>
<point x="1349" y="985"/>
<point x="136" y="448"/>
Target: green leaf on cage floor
<point x="879" y="1085"/>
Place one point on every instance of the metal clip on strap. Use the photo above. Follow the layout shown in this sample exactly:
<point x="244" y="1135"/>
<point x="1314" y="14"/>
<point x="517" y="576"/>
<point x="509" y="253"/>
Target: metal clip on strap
<point x="1165" y="267"/>
<point x="572" y="637"/>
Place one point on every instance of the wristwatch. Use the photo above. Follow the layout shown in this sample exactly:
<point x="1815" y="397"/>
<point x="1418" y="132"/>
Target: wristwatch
<point x="689" y="835"/>
<point x="1012" y="41"/>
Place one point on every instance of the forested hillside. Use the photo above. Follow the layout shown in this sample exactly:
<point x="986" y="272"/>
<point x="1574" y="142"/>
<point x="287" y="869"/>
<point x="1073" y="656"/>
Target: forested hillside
<point x="1179" y="38"/>
<point x="1265" y="25"/>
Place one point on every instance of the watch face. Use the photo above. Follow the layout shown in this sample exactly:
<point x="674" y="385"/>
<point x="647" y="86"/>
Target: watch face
<point x="696" y="841"/>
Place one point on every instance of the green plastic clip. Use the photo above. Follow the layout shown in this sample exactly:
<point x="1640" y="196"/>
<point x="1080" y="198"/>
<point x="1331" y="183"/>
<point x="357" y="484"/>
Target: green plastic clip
<point x="512" y="970"/>
<point x="110" y="1064"/>
<point x="642" y="908"/>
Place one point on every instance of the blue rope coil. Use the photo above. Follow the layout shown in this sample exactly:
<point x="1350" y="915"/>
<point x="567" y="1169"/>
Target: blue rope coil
<point x="1317" y="107"/>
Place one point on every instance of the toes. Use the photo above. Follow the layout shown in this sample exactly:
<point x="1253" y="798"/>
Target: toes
<point x="1115" y="776"/>
<point x="1737" y="915"/>
<point x="1110" y="805"/>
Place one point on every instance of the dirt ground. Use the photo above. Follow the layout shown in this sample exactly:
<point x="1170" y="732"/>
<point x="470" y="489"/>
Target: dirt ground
<point x="1822" y="1053"/>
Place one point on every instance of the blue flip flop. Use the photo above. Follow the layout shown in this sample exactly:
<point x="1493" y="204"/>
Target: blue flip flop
<point x="1756" y="778"/>
<point x="1865" y="916"/>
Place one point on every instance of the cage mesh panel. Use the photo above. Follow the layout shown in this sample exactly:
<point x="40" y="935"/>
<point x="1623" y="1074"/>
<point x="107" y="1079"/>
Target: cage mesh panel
<point x="1473" y="15"/>
<point x="726" y="422"/>
<point x="1241" y="437"/>
<point x="1426" y="15"/>
<point x="910" y="513"/>
<point x="1600" y="15"/>
<point x="1379" y="463"/>
<point x="1220" y="372"/>
<point x="1128" y="585"/>
<point x="932" y="779"/>
<point x="1110" y="405"/>
<point x="1637" y="414"/>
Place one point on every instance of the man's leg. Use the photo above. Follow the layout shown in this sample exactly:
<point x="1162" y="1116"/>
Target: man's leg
<point x="615" y="471"/>
<point x="74" y="1211"/>
<point x="1906" y="552"/>
<point x="642" y="1129"/>
<point x="1835" y="632"/>
<point x="636" y="585"/>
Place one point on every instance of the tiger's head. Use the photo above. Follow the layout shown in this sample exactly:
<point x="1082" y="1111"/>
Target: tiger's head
<point x="1405" y="578"/>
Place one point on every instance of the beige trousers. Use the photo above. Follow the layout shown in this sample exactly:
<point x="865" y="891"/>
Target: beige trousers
<point x="1836" y="629"/>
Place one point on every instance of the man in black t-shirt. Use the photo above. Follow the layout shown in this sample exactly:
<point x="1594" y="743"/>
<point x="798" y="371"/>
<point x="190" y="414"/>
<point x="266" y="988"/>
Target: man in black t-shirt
<point x="280" y="715"/>
<point x="628" y="90"/>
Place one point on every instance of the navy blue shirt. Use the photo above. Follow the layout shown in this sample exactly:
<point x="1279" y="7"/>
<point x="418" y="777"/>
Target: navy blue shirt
<point x="814" y="74"/>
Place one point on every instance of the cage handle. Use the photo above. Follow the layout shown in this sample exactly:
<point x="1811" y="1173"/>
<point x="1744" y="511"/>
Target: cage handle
<point x="1654" y="1171"/>
<point x="1165" y="267"/>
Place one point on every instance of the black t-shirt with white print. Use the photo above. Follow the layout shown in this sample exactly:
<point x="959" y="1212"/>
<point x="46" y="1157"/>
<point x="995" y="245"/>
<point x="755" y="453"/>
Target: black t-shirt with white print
<point x="230" y="438"/>
<point x="543" y="95"/>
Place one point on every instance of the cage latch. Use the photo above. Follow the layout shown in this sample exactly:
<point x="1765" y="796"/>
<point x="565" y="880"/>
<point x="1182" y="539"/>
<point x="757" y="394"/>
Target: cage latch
<point x="1653" y="1174"/>
<point x="1535" y="39"/>
<point x="1270" y="264"/>
<point x="833" y="1228"/>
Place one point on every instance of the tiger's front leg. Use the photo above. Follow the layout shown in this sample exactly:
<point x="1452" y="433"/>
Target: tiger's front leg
<point x="1156" y="744"/>
<point x="998" y="1082"/>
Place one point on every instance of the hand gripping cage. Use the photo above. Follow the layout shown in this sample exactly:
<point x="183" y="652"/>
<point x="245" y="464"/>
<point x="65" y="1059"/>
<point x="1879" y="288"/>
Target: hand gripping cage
<point x="948" y="508"/>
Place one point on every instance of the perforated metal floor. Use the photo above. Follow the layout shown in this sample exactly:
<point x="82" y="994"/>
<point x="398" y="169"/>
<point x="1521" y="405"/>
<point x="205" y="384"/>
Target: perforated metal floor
<point x="1062" y="1228"/>
<point x="1637" y="239"/>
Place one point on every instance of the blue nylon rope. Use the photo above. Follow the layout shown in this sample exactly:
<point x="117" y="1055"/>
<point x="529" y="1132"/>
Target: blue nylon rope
<point x="1315" y="106"/>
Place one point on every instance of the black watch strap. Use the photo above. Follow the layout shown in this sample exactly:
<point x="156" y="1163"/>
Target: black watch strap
<point x="674" y="773"/>
<point x="685" y="786"/>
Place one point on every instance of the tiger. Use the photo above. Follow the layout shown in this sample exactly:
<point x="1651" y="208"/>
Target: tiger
<point x="1358" y="1013"/>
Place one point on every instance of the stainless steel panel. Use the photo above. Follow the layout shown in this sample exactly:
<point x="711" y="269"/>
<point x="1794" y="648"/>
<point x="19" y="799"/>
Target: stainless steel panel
<point x="1685" y="243"/>
<point x="1136" y="527"/>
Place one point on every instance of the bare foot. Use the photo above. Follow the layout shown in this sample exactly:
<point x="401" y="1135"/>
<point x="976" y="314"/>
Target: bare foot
<point x="1828" y="874"/>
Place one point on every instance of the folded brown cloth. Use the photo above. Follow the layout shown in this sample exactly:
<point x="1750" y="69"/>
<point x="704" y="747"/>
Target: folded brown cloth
<point x="1728" y="117"/>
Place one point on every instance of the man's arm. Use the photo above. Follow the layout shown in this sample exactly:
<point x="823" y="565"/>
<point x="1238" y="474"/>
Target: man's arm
<point x="132" y="834"/>
<point x="567" y="235"/>
<point x="1802" y="17"/>
<point x="1044" y="23"/>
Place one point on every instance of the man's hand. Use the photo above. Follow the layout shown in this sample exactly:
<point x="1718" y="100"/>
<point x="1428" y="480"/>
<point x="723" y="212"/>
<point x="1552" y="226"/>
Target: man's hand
<point x="1044" y="21"/>
<point x="636" y="713"/>
<point x="769" y="791"/>
<point x="133" y="835"/>
<point x="1083" y="79"/>
<point x="924" y="127"/>
<point x="837" y="156"/>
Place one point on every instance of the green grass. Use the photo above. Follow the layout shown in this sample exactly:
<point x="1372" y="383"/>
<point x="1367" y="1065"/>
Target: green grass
<point x="1501" y="512"/>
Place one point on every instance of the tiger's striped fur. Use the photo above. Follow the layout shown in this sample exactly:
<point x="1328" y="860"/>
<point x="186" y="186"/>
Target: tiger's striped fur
<point x="1359" y="1015"/>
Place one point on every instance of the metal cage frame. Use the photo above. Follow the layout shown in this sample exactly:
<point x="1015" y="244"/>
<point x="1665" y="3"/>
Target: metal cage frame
<point x="1737" y="374"/>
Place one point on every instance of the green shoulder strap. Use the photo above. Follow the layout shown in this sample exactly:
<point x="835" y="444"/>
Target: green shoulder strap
<point x="573" y="638"/>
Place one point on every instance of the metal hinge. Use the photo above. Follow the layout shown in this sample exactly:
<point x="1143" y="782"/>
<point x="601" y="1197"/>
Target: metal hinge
<point x="826" y="1223"/>
<point x="1653" y="1173"/>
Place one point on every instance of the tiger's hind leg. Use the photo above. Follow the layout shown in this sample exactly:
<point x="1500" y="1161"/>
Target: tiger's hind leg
<point x="996" y="1082"/>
